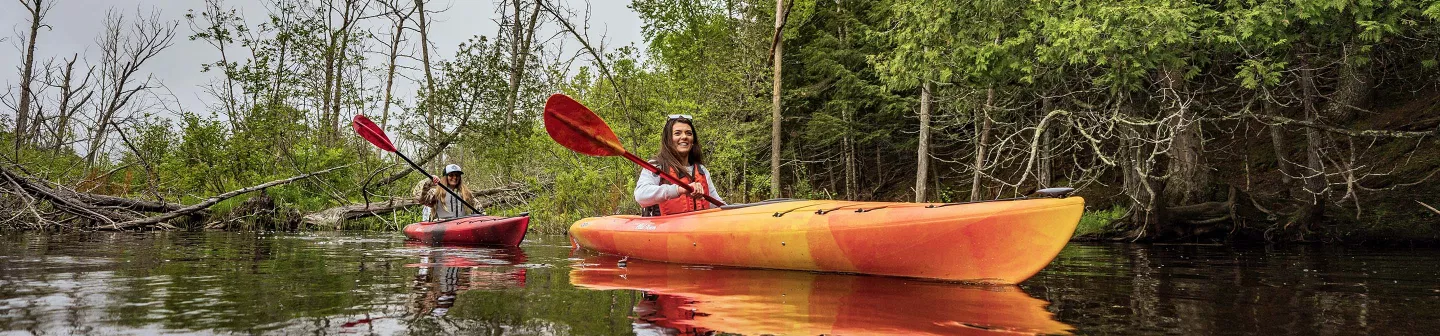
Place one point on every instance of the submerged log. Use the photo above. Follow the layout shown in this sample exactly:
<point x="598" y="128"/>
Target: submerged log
<point x="335" y="216"/>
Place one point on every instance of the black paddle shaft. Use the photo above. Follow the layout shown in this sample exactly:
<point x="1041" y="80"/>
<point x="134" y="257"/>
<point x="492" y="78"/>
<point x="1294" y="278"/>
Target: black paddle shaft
<point x="442" y="185"/>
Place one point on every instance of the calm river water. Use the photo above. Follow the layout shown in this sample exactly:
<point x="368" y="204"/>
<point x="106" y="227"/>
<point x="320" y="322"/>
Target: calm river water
<point x="376" y="283"/>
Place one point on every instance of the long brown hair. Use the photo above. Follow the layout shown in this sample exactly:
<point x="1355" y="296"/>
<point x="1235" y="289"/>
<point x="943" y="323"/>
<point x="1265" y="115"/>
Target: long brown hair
<point x="669" y="157"/>
<point x="441" y="196"/>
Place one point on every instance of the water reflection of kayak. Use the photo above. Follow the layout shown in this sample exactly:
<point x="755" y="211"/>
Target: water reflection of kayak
<point x="445" y="271"/>
<point x="696" y="300"/>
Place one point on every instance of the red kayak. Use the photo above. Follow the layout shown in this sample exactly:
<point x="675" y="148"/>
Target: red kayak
<point x="477" y="230"/>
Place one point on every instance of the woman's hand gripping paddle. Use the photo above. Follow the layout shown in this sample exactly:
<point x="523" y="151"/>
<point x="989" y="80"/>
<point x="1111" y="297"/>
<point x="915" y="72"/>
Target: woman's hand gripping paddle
<point x="577" y="128"/>
<point x="376" y="136"/>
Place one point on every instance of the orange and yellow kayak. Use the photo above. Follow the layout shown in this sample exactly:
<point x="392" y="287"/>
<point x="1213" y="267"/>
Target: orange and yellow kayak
<point x="1003" y="241"/>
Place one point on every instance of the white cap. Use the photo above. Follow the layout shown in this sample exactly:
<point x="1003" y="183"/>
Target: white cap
<point x="453" y="168"/>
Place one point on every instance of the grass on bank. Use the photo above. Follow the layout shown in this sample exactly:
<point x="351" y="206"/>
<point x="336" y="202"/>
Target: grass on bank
<point x="1098" y="222"/>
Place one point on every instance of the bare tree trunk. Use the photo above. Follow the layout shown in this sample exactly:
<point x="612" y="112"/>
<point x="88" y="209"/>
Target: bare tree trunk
<point x="394" y="54"/>
<point x="1042" y="168"/>
<point x="982" y="125"/>
<point x="1137" y="168"/>
<point x="37" y="9"/>
<point x="325" y="92"/>
<point x="523" y="37"/>
<point x="1282" y="162"/>
<point x="217" y="33"/>
<point x="744" y="176"/>
<point x="516" y="30"/>
<point x="1315" y="170"/>
<point x="1353" y="89"/>
<point x="922" y="154"/>
<point x="779" y="47"/>
<point x="122" y="55"/>
<point x="1188" y="176"/>
<point x="276" y="98"/>
<point x="425" y="57"/>
<point x="852" y="184"/>
<point x="335" y="56"/>
<point x="69" y="102"/>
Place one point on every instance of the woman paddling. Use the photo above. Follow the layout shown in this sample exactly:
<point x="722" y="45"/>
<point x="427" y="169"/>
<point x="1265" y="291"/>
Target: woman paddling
<point x="681" y="156"/>
<point x="443" y="205"/>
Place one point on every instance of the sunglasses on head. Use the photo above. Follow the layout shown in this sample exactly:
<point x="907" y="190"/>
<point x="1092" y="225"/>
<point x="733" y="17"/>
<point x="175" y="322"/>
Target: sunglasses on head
<point x="681" y="116"/>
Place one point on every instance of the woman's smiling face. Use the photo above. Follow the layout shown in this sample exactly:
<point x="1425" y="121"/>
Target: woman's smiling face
<point x="452" y="180"/>
<point x="683" y="137"/>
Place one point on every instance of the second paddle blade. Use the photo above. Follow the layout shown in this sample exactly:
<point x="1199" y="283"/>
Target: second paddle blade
<point x="371" y="133"/>
<point x="577" y="128"/>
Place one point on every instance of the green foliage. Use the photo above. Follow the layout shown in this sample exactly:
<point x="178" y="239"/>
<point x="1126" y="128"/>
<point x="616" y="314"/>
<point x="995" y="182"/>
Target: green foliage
<point x="1256" y="74"/>
<point x="1099" y="222"/>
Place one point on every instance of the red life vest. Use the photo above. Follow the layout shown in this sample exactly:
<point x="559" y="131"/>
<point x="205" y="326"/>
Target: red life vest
<point x="685" y="203"/>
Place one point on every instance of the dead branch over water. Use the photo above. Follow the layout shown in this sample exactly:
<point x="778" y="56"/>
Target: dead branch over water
<point x="336" y="216"/>
<point x="77" y="210"/>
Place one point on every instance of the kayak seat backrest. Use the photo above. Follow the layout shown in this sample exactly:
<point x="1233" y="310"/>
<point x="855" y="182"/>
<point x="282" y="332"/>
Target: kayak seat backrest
<point x="769" y="201"/>
<point x="1054" y="192"/>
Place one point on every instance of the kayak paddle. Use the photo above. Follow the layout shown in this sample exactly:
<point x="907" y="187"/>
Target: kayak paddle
<point x="377" y="137"/>
<point x="579" y="129"/>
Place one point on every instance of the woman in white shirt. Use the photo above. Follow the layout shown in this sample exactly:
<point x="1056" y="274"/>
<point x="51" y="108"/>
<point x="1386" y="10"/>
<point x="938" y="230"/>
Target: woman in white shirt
<point x="681" y="156"/>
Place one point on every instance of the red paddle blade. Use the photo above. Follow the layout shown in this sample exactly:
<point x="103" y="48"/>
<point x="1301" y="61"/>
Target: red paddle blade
<point x="577" y="128"/>
<point x="371" y="133"/>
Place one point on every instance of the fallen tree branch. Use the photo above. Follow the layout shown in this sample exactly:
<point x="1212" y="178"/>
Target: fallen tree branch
<point x="1427" y="206"/>
<point x="114" y="201"/>
<point x="332" y="216"/>
<point x="92" y="201"/>
<point x="70" y="205"/>
<point x="1349" y="132"/>
<point x="212" y="200"/>
<point x="132" y="204"/>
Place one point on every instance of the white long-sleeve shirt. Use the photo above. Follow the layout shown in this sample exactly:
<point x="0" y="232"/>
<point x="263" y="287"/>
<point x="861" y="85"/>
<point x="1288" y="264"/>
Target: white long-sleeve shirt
<point x="649" y="191"/>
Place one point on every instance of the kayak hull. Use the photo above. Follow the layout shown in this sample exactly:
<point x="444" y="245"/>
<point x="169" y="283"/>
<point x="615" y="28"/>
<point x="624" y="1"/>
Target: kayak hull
<point x="473" y="230"/>
<point x="992" y="242"/>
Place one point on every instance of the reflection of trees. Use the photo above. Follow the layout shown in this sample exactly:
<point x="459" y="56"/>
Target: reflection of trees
<point x="546" y="304"/>
<point x="242" y="282"/>
<point x="248" y="283"/>
<point x="1153" y="289"/>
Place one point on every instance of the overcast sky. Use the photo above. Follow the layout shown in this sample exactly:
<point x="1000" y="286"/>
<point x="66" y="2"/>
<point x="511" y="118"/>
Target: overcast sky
<point x="74" y="25"/>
